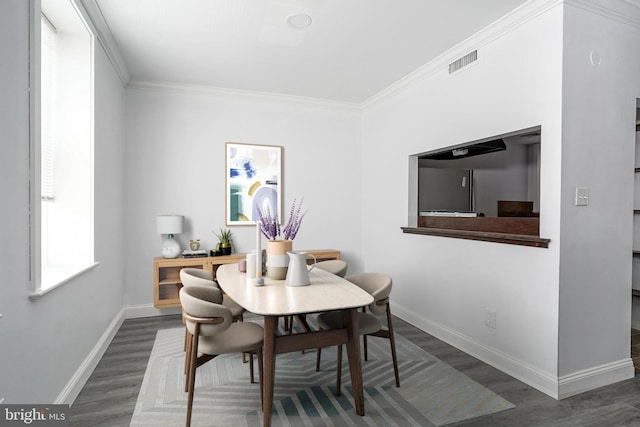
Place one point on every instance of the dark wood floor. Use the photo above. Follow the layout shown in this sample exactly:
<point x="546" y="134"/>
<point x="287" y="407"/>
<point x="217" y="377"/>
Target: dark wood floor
<point x="109" y="397"/>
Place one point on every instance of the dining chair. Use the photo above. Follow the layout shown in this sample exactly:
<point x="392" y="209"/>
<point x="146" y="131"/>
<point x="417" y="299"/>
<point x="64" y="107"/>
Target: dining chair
<point x="379" y="286"/>
<point x="213" y="332"/>
<point x="201" y="277"/>
<point x="333" y="266"/>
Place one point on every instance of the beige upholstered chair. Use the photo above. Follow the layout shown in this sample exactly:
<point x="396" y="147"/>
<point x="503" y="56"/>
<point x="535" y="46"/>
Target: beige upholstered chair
<point x="379" y="286"/>
<point x="333" y="266"/>
<point x="212" y="332"/>
<point x="199" y="276"/>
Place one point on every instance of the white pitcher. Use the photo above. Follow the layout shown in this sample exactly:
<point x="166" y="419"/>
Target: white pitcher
<point x="298" y="271"/>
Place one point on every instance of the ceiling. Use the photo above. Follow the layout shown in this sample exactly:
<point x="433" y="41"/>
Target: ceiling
<point x="352" y="50"/>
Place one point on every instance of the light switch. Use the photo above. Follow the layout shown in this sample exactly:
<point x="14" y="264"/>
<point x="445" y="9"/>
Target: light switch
<point x="582" y="196"/>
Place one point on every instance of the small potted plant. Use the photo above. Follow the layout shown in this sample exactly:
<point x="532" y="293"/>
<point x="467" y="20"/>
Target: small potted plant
<point x="225" y="242"/>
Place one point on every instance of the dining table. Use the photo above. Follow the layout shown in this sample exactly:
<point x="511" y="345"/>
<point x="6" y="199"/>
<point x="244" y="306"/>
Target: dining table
<point x="275" y="299"/>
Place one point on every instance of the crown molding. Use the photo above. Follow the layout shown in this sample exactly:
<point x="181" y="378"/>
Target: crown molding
<point x="105" y="38"/>
<point x="504" y="25"/>
<point x="249" y="95"/>
<point x="624" y="11"/>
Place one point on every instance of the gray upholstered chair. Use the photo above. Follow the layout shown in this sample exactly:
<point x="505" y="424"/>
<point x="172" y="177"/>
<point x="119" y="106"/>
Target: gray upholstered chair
<point x="379" y="286"/>
<point x="212" y="332"/>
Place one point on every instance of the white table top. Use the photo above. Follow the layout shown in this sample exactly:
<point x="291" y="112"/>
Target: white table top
<point x="326" y="292"/>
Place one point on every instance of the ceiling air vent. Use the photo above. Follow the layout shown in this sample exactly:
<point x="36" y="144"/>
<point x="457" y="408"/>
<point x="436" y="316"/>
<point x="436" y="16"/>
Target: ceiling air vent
<point x="464" y="61"/>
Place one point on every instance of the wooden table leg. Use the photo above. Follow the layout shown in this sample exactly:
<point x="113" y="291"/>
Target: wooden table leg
<point x="270" y="331"/>
<point x="350" y="320"/>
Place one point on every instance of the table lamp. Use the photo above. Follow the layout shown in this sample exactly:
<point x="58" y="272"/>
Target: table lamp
<point x="170" y="225"/>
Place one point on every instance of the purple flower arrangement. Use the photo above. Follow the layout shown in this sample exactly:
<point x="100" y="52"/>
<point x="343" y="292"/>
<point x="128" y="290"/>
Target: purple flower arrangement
<point x="270" y="224"/>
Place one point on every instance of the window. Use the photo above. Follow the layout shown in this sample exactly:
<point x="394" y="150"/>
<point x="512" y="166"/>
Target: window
<point x="62" y="145"/>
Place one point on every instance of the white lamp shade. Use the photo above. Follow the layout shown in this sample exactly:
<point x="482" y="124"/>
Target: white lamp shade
<point x="169" y="224"/>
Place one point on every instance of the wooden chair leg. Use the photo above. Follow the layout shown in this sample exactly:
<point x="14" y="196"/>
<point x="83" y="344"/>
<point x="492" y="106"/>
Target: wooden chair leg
<point x="186" y="337"/>
<point x="318" y="355"/>
<point x="191" y="378"/>
<point x="251" y="380"/>
<point x="339" y="372"/>
<point x="288" y="324"/>
<point x="187" y="357"/>
<point x="392" y="342"/>
<point x="366" y="352"/>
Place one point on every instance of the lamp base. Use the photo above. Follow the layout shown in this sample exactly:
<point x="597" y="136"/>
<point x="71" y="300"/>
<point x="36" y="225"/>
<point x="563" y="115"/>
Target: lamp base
<point x="170" y="248"/>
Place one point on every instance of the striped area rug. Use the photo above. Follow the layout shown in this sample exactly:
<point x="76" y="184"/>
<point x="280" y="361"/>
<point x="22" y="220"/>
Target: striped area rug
<point x="431" y="394"/>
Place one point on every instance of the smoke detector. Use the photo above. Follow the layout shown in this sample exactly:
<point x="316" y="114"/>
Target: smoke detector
<point x="299" y="20"/>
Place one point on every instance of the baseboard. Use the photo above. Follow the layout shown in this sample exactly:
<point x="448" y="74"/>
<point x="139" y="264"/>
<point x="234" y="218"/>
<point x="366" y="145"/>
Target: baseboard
<point x="542" y="381"/>
<point x="566" y="386"/>
<point x="558" y="388"/>
<point x="600" y="376"/>
<point x="82" y="374"/>
<point x="148" y="310"/>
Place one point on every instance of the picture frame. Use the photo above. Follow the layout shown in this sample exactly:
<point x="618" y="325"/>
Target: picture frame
<point x="253" y="177"/>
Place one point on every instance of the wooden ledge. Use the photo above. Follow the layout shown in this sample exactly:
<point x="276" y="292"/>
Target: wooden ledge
<point x="510" y="239"/>
<point x="505" y="225"/>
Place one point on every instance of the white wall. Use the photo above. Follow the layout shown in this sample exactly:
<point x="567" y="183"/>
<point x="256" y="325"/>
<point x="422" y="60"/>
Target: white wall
<point x="443" y="285"/>
<point x="45" y="342"/>
<point x="563" y="313"/>
<point x="175" y="164"/>
<point x="599" y="114"/>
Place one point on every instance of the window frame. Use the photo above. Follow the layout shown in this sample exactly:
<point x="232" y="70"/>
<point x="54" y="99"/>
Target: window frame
<point x="35" y="163"/>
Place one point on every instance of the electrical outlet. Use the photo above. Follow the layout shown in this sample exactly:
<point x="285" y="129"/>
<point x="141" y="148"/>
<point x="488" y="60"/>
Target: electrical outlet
<point x="490" y="318"/>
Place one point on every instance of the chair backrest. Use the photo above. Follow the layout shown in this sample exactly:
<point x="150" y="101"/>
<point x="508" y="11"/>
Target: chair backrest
<point x="378" y="285"/>
<point x="196" y="277"/>
<point x="334" y="266"/>
<point x="205" y="302"/>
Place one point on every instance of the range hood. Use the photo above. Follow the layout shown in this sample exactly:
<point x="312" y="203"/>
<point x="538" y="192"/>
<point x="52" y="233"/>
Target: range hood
<point x="467" y="150"/>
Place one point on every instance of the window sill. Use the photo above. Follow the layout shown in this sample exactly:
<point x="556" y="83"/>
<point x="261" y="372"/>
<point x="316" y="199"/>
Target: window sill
<point x="510" y="239"/>
<point x="65" y="278"/>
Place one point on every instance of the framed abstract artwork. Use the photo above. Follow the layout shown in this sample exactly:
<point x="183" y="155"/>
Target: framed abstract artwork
<point x="253" y="177"/>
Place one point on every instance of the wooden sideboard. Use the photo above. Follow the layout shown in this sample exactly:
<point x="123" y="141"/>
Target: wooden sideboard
<point x="166" y="272"/>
